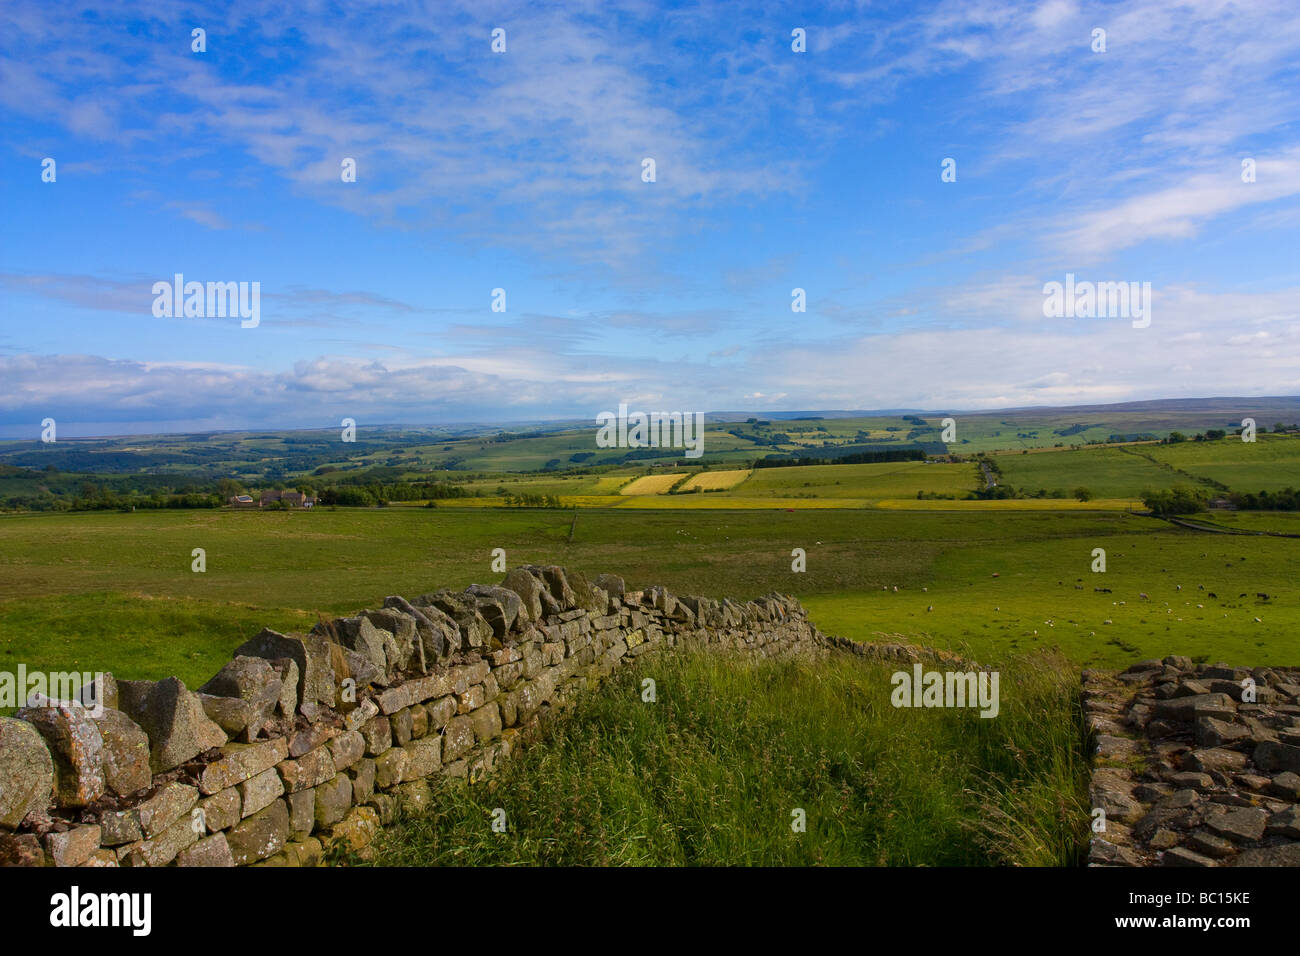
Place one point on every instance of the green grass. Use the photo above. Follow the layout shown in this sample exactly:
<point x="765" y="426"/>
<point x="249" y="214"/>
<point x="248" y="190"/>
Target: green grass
<point x="710" y="773"/>
<point x="1287" y="522"/>
<point x="1106" y="472"/>
<point x="90" y="588"/>
<point x="902" y="479"/>
<point x="1270" y="463"/>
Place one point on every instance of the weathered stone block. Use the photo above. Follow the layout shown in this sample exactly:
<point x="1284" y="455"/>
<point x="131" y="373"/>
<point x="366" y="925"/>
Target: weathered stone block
<point x="210" y="851"/>
<point x="401" y="724"/>
<point x="363" y="779"/>
<point x="311" y="737"/>
<point x="457" y="739"/>
<point x="486" y="721"/>
<point x="378" y="736"/>
<point x="355" y="831"/>
<point x="26" y="772"/>
<point x="310" y="654"/>
<point x="257" y="793"/>
<point x="347" y="748"/>
<point x="424" y="756"/>
<point x="309" y="770"/>
<point x="77" y="748"/>
<point x="240" y="762"/>
<point x="261" y="835"/>
<point x="413" y="797"/>
<point x="119" y="827"/>
<point x="333" y="800"/>
<point x="302" y="812"/>
<point x="419" y="720"/>
<point x="222" y="810"/>
<point x="126" y="753"/>
<point x="173" y="718"/>
<point x="440" y="711"/>
<point x="390" y="767"/>
<point x="161" y="849"/>
<point x="21" y="849"/>
<point x="172" y="802"/>
<point x="72" y="847"/>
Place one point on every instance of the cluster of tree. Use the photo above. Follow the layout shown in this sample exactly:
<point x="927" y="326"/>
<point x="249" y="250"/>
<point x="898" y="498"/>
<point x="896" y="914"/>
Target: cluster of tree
<point x="112" y="502"/>
<point x="855" y="458"/>
<point x="1288" y="499"/>
<point x="1178" y="500"/>
<point x="525" y="500"/>
<point x="365" y="496"/>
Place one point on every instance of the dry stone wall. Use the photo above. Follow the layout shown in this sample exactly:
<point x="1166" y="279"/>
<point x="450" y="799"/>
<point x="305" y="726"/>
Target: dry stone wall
<point x="1195" y="765"/>
<point x="305" y="742"/>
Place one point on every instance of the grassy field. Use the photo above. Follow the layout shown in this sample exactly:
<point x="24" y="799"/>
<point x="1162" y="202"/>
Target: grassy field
<point x="877" y="480"/>
<point x="114" y="591"/>
<point x="1106" y="472"/>
<point x="711" y="772"/>
<point x="652" y="484"/>
<point x="1270" y="463"/>
<point x="1284" y="522"/>
<point x="715" y="480"/>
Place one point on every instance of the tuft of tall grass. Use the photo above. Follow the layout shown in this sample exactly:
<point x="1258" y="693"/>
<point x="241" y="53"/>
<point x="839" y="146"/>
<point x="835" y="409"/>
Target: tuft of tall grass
<point x="712" y="772"/>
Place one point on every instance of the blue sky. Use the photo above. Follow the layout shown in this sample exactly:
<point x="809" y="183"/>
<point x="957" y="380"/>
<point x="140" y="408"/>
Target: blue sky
<point x="522" y="171"/>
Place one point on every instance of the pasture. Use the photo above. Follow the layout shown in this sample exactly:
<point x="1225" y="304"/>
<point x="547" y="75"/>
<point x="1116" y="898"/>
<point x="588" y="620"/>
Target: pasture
<point x="715" y="480"/>
<point x="652" y="484"/>
<point x="115" y="591"/>
<point x="895" y="479"/>
<point x="1270" y="463"/>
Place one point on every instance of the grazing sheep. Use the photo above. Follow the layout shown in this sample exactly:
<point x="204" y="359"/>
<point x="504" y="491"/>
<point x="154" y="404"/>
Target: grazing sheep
<point x="1211" y="594"/>
<point x="1143" y="596"/>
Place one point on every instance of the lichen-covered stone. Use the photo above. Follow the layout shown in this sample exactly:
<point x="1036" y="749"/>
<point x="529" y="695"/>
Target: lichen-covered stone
<point x="72" y="847"/>
<point x="333" y="800"/>
<point x="257" y="793"/>
<point x="240" y="762"/>
<point x="355" y="831"/>
<point x="173" y="718"/>
<point x="311" y="655"/>
<point x="222" y="810"/>
<point x="261" y="835"/>
<point x="457" y="739"/>
<point x="21" y="849"/>
<point x="308" y="770"/>
<point x="126" y="753"/>
<point x="165" y="806"/>
<point x="77" y="747"/>
<point x="390" y="767"/>
<point x="347" y="748"/>
<point x="424" y="757"/>
<point x="210" y="851"/>
<point x="161" y="849"/>
<point x="26" y="771"/>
